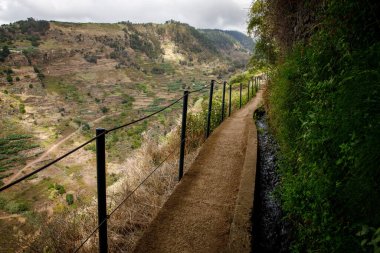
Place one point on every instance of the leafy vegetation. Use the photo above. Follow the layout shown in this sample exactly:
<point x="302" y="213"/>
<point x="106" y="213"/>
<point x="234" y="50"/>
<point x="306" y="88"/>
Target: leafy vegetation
<point x="60" y="189"/>
<point x="197" y="121"/>
<point x="218" y="38"/>
<point x="32" y="26"/>
<point x="127" y="100"/>
<point x="323" y="104"/>
<point x="29" y="29"/>
<point x="227" y="39"/>
<point x="67" y="90"/>
<point x="4" y="53"/>
<point x="91" y="58"/>
<point x="11" y="151"/>
<point x="13" y="206"/>
<point x="53" y="114"/>
<point x="69" y="199"/>
<point x="140" y="42"/>
<point x="175" y="86"/>
<point x="34" y="39"/>
<point x="135" y="132"/>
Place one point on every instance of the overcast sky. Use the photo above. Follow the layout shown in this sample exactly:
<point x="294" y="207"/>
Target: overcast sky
<point x="222" y="14"/>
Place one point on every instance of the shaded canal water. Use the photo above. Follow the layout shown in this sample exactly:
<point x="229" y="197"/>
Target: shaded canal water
<point x="270" y="232"/>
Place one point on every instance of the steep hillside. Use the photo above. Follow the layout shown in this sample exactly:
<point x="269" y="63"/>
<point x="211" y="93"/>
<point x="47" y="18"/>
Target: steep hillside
<point x="229" y="39"/>
<point x="58" y="81"/>
<point x="244" y="40"/>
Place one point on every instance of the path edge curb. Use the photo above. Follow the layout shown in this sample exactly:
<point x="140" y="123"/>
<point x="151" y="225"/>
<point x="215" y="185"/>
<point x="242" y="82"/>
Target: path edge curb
<point x="241" y="226"/>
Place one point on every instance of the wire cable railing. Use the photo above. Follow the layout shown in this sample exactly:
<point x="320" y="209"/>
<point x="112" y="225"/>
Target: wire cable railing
<point x="145" y="117"/>
<point x="201" y="89"/>
<point x="84" y="144"/>
<point x="91" y="140"/>
<point x="48" y="164"/>
<point x="125" y="199"/>
<point x="100" y="154"/>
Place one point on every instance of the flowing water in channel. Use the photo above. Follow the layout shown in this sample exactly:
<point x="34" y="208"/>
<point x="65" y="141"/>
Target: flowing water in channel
<point x="270" y="232"/>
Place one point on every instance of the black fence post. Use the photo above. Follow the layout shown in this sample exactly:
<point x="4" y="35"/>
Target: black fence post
<point x="241" y="87"/>
<point x="209" y="109"/>
<point x="223" y="99"/>
<point x="252" y="87"/>
<point x="101" y="184"/>
<point x="257" y="83"/>
<point x="230" y="102"/>
<point x="183" y="135"/>
<point x="248" y="92"/>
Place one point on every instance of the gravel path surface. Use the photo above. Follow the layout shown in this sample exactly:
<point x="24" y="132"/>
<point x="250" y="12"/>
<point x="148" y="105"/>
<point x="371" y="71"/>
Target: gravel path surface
<point x="197" y="217"/>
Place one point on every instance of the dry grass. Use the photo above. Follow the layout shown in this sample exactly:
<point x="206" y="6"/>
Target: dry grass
<point x="64" y="232"/>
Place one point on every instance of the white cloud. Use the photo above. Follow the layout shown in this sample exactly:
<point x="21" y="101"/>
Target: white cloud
<point x="222" y="14"/>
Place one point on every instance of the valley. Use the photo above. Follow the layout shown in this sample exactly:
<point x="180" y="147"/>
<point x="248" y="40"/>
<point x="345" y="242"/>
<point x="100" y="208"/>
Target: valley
<point x="59" y="81"/>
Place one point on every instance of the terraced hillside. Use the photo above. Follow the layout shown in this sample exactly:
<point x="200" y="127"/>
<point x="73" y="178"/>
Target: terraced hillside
<point x="58" y="81"/>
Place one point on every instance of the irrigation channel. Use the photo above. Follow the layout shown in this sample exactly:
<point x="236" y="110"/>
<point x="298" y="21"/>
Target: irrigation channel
<point x="271" y="234"/>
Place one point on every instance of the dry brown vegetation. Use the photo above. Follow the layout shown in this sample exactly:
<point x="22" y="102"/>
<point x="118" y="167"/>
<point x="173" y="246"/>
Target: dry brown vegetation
<point x="72" y="78"/>
<point x="127" y="223"/>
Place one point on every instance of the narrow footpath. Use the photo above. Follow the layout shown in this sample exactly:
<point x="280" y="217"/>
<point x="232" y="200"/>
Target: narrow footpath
<point x="200" y="214"/>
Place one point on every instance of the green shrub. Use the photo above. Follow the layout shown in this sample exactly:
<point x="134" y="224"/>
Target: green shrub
<point x="85" y="126"/>
<point x="40" y="76"/>
<point x="22" y="108"/>
<point x="32" y="26"/>
<point x="69" y="199"/>
<point x="158" y="70"/>
<point x="9" y="79"/>
<point x="127" y="100"/>
<point x="142" y="87"/>
<point x="324" y="109"/>
<point x="3" y="202"/>
<point x="16" y="206"/>
<point x="36" y="70"/>
<point x="4" y="53"/>
<point x="140" y="42"/>
<point x="57" y="187"/>
<point x="91" y="58"/>
<point x="104" y="109"/>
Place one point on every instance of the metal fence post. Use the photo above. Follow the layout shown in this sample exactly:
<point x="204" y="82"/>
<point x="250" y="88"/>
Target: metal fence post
<point x="248" y="92"/>
<point x="230" y="101"/>
<point x="209" y="109"/>
<point x="241" y="87"/>
<point x="252" y="87"/>
<point x="223" y="99"/>
<point x="183" y="135"/>
<point x="101" y="185"/>
<point x="258" y="82"/>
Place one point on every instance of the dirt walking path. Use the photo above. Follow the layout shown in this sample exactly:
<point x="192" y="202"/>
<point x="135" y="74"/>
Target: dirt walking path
<point x="197" y="217"/>
<point x="10" y="216"/>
